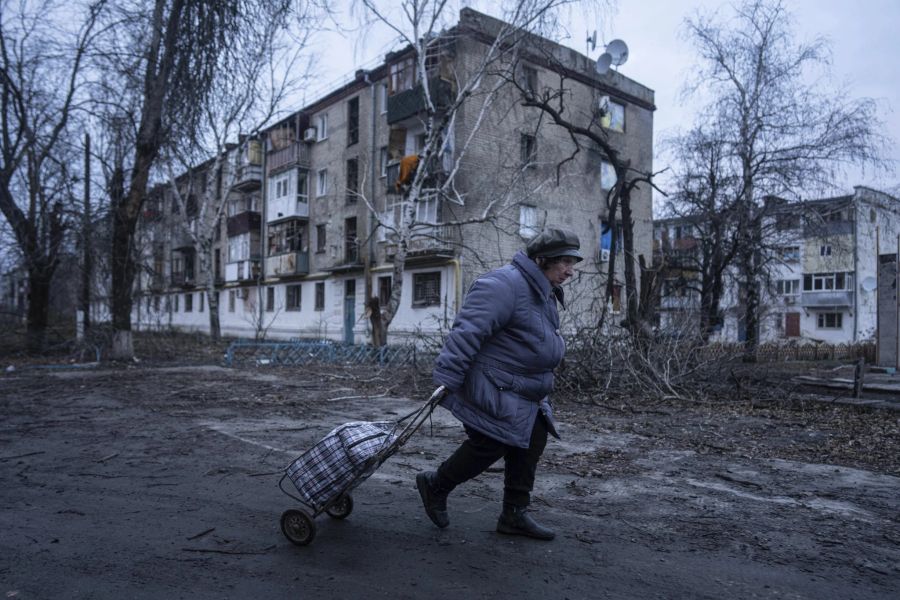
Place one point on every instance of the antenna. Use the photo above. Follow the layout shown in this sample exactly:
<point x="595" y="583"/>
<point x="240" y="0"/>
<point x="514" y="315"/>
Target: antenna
<point x="592" y="41"/>
<point x="618" y="50"/>
<point x="603" y="63"/>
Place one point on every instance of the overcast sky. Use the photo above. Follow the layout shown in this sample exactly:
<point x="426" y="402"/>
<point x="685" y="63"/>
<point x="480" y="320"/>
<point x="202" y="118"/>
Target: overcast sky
<point x="863" y="36"/>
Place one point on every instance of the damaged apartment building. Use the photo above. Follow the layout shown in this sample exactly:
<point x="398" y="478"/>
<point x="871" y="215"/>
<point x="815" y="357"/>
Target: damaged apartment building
<point x="312" y="205"/>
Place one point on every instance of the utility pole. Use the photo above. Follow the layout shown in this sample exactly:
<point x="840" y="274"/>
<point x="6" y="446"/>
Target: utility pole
<point x="87" y="261"/>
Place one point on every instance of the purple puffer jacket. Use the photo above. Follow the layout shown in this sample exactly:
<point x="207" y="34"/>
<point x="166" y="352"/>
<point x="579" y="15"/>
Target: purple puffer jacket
<point x="499" y="357"/>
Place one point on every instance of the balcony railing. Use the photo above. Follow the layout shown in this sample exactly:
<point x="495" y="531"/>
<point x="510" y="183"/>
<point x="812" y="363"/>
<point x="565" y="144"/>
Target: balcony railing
<point x="243" y="222"/>
<point x="183" y="279"/>
<point x="294" y="154"/>
<point x="242" y="270"/>
<point x="286" y="265"/>
<point x="408" y="103"/>
<point x="829" y="299"/>
<point x="429" y="240"/>
<point x="248" y="177"/>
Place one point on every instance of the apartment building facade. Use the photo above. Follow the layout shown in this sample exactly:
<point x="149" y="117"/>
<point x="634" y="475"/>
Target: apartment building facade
<point x="312" y="205"/>
<point x="831" y="275"/>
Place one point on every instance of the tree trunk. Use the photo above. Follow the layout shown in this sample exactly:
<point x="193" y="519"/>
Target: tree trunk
<point x="38" y="306"/>
<point x="379" y="334"/>
<point x="212" y="302"/>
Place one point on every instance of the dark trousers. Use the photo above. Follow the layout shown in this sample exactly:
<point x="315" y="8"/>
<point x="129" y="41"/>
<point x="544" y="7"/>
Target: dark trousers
<point x="480" y="451"/>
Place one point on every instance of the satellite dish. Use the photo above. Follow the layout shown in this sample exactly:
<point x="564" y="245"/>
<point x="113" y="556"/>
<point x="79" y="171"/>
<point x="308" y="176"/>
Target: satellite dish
<point x="869" y="284"/>
<point x="618" y="50"/>
<point x="603" y="63"/>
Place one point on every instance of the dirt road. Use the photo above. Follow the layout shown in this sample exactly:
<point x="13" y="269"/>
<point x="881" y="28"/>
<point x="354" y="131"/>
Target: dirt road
<point x="161" y="483"/>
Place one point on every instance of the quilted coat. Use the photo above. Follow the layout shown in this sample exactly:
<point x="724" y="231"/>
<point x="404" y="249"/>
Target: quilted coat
<point x="498" y="358"/>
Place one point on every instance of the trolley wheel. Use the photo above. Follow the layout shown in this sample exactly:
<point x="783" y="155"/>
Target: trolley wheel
<point x="298" y="527"/>
<point x="341" y="508"/>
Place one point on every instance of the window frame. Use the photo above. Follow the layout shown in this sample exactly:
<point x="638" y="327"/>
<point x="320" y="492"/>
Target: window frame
<point x="837" y="320"/>
<point x="322" y="127"/>
<point x="321" y="182"/>
<point x="422" y="296"/>
<point x="320" y="296"/>
<point x="293" y="297"/>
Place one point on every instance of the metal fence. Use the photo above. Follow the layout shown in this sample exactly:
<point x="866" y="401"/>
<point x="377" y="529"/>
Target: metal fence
<point x="302" y="352"/>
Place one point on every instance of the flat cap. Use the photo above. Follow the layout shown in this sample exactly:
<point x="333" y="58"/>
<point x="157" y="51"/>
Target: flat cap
<point x="551" y="243"/>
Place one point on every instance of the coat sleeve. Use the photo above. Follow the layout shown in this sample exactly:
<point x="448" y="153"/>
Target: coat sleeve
<point x="488" y="307"/>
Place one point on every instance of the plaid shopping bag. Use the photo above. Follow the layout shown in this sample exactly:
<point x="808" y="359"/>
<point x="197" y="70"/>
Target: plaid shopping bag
<point x="330" y="467"/>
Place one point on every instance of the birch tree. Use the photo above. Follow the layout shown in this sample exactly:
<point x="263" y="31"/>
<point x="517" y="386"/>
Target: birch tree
<point x="428" y="30"/>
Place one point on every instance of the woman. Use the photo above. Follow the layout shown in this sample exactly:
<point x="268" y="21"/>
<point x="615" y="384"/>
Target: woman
<point x="497" y="365"/>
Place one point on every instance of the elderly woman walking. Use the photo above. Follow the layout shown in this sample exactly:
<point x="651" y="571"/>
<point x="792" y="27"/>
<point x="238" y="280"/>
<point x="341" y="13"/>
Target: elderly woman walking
<point x="497" y="365"/>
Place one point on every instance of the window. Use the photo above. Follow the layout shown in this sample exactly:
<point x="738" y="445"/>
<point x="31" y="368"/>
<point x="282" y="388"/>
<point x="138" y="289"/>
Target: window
<point x="787" y="287"/>
<point x="825" y="250"/>
<point x="302" y="186"/>
<point x="403" y="75"/>
<point x="528" y="149"/>
<point x="322" y="127"/>
<point x="383" y="160"/>
<point x="387" y="225"/>
<point x="528" y="225"/>
<point x="830" y="320"/>
<point x="156" y="303"/>
<point x="202" y="300"/>
<point x="280" y="186"/>
<point x="613" y="116"/>
<point x="352" y="180"/>
<point x="427" y="210"/>
<point x="231" y="298"/>
<point x="382" y="97"/>
<point x="426" y="289"/>
<point x="384" y="290"/>
<point x="320" y="238"/>
<point x="789" y="253"/>
<point x="293" y="297"/>
<point x="607" y="175"/>
<point x="239" y="247"/>
<point x="286" y="237"/>
<point x="351" y="254"/>
<point x="270" y="299"/>
<point x="321" y="182"/>
<point x="826" y="282"/>
<point x="320" y="295"/>
<point x="353" y="121"/>
<point x="175" y="301"/>
<point x="188" y="303"/>
<point x="529" y="80"/>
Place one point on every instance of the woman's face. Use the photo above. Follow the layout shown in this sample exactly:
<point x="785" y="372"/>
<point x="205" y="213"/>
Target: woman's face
<point x="558" y="272"/>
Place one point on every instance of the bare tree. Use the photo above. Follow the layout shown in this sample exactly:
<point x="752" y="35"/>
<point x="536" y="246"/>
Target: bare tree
<point x="41" y="74"/>
<point x="780" y="132"/>
<point x="705" y="198"/>
<point x="425" y="26"/>
<point x="182" y="44"/>
<point x="265" y="68"/>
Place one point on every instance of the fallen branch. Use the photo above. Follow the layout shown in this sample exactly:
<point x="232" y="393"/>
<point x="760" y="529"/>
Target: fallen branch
<point x="232" y="552"/>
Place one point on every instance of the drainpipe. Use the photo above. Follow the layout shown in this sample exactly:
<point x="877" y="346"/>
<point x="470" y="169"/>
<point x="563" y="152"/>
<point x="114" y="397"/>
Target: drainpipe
<point x="369" y="287"/>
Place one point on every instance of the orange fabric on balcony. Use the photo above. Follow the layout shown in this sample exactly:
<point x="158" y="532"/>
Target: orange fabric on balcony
<point x="408" y="165"/>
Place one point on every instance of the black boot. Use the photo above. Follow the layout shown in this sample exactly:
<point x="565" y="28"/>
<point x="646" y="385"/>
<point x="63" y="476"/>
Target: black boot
<point x="515" y="520"/>
<point x="434" y="498"/>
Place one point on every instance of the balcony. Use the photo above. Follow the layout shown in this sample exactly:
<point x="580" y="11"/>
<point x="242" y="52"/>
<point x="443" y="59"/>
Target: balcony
<point x="830" y="299"/>
<point x="438" y="168"/>
<point x="243" y="222"/>
<point x="289" y="207"/>
<point x="295" y="154"/>
<point x="183" y="279"/>
<point x="411" y="102"/>
<point x="428" y="241"/>
<point x="248" y="178"/>
<point x="287" y="265"/>
<point x="828" y="228"/>
<point x="242" y="270"/>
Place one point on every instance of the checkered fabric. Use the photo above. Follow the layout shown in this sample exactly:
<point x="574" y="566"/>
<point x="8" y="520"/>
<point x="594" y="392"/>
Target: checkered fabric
<point x="330" y="467"/>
